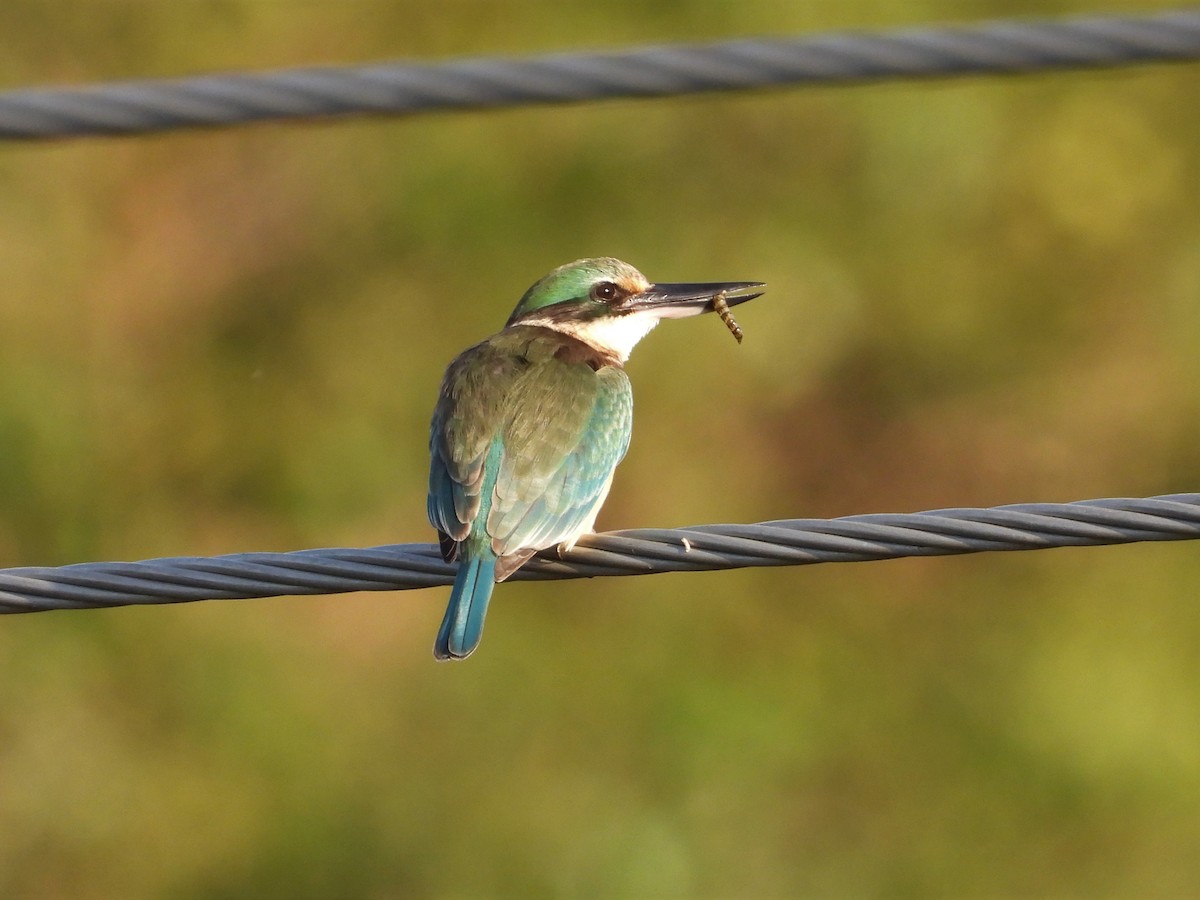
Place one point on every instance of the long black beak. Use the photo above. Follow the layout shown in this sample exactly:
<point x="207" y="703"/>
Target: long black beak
<point x="691" y="299"/>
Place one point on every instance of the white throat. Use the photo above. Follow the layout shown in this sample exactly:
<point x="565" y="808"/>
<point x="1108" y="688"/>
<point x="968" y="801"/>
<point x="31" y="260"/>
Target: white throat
<point x="614" y="335"/>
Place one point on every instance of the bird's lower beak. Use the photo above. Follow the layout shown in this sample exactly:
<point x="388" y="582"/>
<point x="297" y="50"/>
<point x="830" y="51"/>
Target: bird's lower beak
<point x="675" y="301"/>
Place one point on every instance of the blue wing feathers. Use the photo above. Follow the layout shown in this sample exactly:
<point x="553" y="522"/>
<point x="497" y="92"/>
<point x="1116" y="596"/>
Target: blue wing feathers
<point x="541" y="512"/>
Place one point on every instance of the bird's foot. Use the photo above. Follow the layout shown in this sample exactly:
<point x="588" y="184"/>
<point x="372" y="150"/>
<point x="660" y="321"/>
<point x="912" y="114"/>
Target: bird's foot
<point x="565" y="547"/>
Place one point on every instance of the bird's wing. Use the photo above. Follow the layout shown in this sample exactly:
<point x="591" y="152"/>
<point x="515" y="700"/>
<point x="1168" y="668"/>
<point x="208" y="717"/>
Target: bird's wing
<point x="526" y="442"/>
<point x="564" y="437"/>
<point x="468" y="418"/>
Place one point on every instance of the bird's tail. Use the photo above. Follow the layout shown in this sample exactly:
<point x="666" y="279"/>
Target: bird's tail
<point x="463" y="625"/>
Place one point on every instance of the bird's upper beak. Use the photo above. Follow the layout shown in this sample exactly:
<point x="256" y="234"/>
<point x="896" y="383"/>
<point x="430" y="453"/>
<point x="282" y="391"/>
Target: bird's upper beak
<point x="675" y="301"/>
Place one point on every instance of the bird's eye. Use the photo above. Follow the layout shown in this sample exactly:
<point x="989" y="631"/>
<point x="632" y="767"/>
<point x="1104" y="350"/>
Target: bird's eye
<point x="606" y="291"/>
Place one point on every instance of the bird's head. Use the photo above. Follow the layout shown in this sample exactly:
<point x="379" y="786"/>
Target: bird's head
<point x="611" y="305"/>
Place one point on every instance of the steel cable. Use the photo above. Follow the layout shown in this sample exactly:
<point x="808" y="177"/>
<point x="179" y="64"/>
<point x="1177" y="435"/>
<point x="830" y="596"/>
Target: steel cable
<point x="787" y="542"/>
<point x="996" y="47"/>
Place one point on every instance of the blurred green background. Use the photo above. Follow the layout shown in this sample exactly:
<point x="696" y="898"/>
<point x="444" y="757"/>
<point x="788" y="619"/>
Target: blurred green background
<point x="981" y="291"/>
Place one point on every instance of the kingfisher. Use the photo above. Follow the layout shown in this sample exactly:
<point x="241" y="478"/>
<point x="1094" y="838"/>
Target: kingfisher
<point x="531" y="423"/>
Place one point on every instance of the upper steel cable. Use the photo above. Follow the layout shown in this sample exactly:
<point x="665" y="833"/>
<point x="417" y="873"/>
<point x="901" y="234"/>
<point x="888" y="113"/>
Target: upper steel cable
<point x="995" y="47"/>
<point x="1027" y="526"/>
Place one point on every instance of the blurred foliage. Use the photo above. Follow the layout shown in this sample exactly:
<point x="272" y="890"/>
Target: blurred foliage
<point x="981" y="291"/>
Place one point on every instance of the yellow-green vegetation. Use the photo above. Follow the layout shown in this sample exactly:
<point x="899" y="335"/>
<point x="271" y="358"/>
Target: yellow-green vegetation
<point x="980" y="291"/>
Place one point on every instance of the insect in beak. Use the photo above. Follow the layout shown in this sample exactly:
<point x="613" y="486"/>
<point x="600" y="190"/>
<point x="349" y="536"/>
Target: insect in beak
<point x="721" y="308"/>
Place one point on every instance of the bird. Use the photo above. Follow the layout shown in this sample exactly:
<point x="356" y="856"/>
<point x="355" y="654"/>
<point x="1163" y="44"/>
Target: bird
<point x="530" y="424"/>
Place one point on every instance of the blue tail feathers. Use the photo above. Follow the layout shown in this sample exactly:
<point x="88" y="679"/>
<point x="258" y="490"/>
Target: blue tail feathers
<point x="463" y="625"/>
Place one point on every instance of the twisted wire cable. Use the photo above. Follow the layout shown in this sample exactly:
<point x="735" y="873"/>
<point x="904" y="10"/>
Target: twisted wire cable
<point x="995" y="47"/>
<point x="644" y="551"/>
